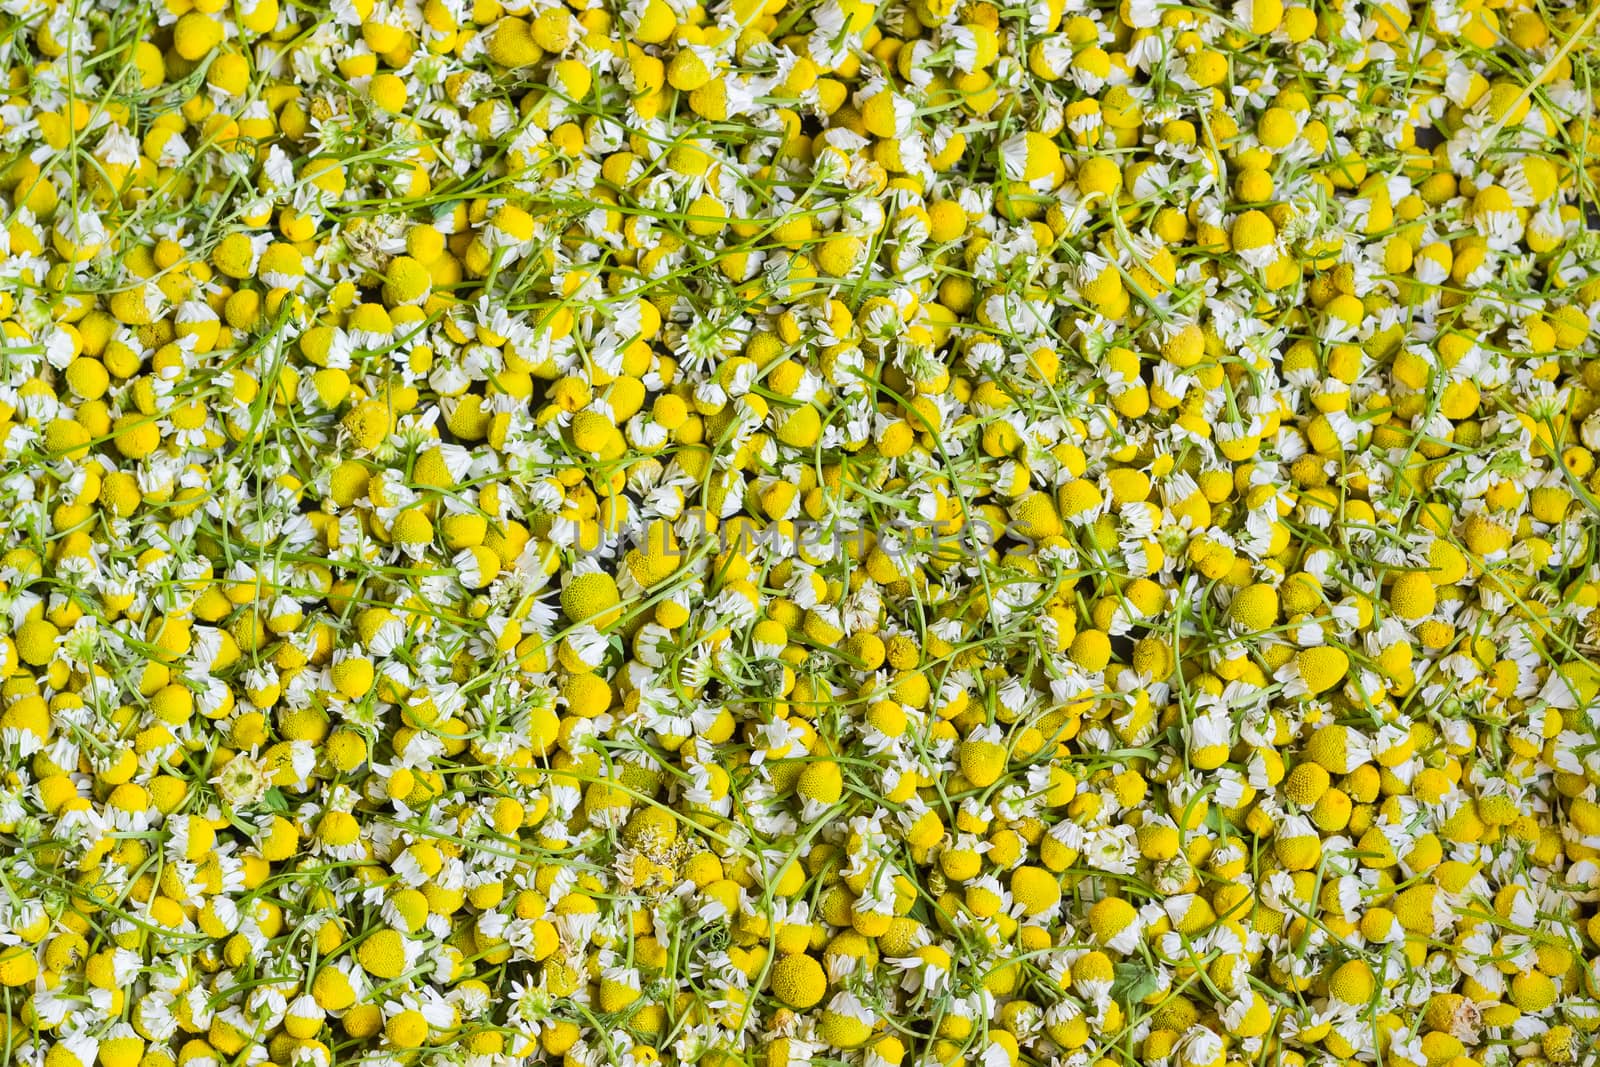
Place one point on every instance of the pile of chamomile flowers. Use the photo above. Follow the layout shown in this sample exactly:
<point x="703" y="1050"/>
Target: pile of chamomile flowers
<point x="767" y="533"/>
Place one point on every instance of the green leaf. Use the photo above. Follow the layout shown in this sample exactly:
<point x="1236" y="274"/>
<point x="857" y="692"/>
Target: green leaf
<point x="1133" y="981"/>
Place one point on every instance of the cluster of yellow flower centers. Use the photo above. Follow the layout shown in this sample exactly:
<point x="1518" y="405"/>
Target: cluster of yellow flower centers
<point x="866" y="532"/>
